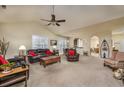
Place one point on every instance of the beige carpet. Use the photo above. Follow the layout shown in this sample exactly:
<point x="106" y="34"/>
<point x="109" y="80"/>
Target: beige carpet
<point x="88" y="72"/>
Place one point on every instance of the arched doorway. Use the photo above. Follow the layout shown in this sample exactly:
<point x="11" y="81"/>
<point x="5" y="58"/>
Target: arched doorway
<point x="94" y="46"/>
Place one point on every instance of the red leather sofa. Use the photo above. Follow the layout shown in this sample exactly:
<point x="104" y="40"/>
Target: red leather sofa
<point x="34" y="55"/>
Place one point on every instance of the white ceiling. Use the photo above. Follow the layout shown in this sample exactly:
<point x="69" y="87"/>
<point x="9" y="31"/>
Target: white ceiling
<point x="76" y="16"/>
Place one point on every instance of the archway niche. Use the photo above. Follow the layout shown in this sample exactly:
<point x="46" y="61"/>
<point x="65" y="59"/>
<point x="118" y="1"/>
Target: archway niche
<point x="94" y="46"/>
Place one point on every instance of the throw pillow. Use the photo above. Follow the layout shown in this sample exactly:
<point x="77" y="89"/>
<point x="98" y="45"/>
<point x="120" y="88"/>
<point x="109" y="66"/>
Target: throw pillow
<point x="48" y="52"/>
<point x="71" y="52"/>
<point x="31" y="53"/>
<point x="43" y="54"/>
<point x="3" y="61"/>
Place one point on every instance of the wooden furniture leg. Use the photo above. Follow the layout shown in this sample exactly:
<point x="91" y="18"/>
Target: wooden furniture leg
<point x="27" y="76"/>
<point x="26" y="83"/>
<point x="123" y="81"/>
<point x="44" y="64"/>
<point x="40" y="62"/>
<point x="59" y="60"/>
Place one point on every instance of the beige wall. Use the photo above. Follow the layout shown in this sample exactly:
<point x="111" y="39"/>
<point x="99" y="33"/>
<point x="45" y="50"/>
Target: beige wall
<point x="119" y="39"/>
<point x="21" y="34"/>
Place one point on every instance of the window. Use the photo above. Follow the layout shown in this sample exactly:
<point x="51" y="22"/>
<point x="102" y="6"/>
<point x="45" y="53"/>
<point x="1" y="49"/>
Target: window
<point x="78" y="42"/>
<point x="39" y="42"/>
<point x="62" y="44"/>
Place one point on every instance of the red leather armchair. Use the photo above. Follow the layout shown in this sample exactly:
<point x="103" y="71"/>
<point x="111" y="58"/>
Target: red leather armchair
<point x="72" y="55"/>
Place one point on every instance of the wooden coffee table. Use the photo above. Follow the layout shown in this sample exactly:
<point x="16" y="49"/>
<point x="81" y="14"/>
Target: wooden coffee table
<point x="48" y="60"/>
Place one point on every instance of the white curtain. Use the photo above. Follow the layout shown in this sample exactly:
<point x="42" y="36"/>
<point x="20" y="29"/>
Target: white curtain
<point x="39" y="42"/>
<point x="62" y="43"/>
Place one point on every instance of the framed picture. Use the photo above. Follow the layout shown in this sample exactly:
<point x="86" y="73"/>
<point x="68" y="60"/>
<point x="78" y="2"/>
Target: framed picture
<point x="53" y="42"/>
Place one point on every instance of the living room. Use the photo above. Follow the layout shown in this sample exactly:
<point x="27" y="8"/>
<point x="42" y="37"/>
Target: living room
<point x="66" y="37"/>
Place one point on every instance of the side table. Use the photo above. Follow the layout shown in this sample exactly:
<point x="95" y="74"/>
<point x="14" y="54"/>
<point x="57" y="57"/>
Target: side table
<point x="14" y="76"/>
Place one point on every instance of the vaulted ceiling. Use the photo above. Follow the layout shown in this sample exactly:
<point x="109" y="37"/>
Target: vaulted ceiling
<point x="76" y="16"/>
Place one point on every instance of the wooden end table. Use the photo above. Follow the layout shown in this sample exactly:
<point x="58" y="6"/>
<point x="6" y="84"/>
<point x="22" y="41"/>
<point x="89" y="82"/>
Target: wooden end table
<point x="48" y="60"/>
<point x="15" y="75"/>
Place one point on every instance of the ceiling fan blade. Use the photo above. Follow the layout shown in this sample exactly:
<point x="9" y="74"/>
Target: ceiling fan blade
<point x="45" y="20"/>
<point x="49" y="24"/>
<point x="4" y="6"/>
<point x="53" y="17"/>
<point x="60" y="20"/>
<point x="57" y="24"/>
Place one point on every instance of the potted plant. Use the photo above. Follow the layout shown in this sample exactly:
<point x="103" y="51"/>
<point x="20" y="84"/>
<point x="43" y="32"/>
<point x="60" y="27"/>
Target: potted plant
<point x="3" y="47"/>
<point x="6" y="67"/>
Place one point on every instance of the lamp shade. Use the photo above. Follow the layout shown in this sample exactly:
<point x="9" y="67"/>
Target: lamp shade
<point x="54" y="46"/>
<point x="22" y="47"/>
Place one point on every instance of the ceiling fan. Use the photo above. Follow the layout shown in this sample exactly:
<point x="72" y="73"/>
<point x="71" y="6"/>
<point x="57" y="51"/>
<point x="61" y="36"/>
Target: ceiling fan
<point x="53" y="20"/>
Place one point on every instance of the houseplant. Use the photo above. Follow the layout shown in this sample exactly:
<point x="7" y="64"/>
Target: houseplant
<point x="3" y="47"/>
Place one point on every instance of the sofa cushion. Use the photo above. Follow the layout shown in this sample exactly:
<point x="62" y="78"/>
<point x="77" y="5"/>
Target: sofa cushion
<point x="113" y="55"/>
<point x="119" y="56"/>
<point x="43" y="54"/>
<point x="3" y="61"/>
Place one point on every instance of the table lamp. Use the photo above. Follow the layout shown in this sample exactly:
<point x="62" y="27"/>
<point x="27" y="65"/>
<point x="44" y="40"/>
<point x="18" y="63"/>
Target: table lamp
<point x="22" y="50"/>
<point x="54" y="47"/>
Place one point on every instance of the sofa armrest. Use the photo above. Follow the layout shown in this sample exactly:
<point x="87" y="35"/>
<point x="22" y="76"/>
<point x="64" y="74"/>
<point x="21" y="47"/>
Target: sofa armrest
<point x="29" y="56"/>
<point x="120" y="64"/>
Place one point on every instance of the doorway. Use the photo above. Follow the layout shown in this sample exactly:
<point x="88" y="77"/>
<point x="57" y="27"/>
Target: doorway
<point x="94" y="46"/>
<point x="78" y="45"/>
